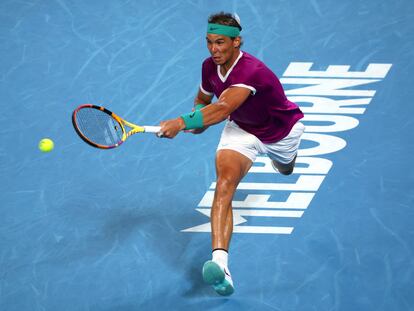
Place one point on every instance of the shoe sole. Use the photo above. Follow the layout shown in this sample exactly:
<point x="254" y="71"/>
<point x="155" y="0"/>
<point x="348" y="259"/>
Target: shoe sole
<point x="212" y="273"/>
<point x="224" y="288"/>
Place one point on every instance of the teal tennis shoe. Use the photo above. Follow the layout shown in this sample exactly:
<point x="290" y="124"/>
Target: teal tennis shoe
<point x="219" y="277"/>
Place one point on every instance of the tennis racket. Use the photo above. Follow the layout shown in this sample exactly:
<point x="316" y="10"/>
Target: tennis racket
<point x="103" y="129"/>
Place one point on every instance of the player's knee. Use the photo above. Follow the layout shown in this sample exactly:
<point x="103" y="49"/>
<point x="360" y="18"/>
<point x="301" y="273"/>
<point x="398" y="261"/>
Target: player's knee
<point x="225" y="184"/>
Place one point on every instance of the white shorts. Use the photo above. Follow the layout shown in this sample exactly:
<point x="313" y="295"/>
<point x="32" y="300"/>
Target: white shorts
<point x="283" y="151"/>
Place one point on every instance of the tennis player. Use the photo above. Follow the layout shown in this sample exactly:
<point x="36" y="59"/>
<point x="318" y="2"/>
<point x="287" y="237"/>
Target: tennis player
<point x="259" y="120"/>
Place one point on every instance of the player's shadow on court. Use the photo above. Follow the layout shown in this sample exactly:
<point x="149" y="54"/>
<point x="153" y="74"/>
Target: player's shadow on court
<point x="173" y="246"/>
<point x="167" y="242"/>
<point x="193" y="274"/>
<point x="153" y="230"/>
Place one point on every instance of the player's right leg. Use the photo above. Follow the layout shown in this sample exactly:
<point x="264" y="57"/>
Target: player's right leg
<point x="231" y="167"/>
<point x="234" y="158"/>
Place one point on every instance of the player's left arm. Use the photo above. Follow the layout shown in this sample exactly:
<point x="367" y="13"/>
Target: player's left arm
<point x="229" y="100"/>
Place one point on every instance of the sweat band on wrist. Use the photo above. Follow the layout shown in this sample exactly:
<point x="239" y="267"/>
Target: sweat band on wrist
<point x="193" y="120"/>
<point x="218" y="29"/>
<point x="199" y="106"/>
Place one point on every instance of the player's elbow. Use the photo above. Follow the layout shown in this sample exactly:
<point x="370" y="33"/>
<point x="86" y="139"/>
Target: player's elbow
<point x="224" y="110"/>
<point x="218" y="113"/>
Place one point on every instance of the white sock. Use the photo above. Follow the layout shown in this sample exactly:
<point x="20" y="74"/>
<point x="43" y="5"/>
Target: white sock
<point x="221" y="257"/>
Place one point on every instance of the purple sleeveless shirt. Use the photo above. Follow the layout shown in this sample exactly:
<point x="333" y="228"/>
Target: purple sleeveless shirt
<point x="266" y="113"/>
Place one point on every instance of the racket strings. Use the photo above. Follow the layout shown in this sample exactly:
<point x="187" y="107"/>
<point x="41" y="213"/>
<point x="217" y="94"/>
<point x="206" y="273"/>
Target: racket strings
<point x="99" y="127"/>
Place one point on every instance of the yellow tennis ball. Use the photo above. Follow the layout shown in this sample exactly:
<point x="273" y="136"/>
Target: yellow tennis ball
<point x="46" y="145"/>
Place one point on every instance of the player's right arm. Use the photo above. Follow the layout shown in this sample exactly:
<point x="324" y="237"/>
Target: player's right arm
<point x="201" y="99"/>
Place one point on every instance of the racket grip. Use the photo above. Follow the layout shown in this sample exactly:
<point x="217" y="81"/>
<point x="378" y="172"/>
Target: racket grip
<point x="152" y="129"/>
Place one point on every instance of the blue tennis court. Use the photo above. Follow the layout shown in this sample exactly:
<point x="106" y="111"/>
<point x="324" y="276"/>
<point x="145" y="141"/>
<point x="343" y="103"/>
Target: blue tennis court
<point x="128" y="229"/>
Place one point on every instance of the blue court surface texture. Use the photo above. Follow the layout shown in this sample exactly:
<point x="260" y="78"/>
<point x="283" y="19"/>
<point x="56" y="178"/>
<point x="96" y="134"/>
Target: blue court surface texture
<point x="128" y="228"/>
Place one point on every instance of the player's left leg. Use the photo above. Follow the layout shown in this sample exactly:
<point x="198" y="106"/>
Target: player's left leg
<point x="284" y="152"/>
<point x="284" y="169"/>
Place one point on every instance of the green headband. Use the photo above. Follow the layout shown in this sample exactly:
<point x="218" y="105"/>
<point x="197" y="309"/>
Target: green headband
<point x="218" y="29"/>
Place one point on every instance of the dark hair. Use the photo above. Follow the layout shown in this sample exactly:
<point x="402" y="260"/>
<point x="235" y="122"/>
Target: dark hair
<point x="228" y="19"/>
<point x="223" y="18"/>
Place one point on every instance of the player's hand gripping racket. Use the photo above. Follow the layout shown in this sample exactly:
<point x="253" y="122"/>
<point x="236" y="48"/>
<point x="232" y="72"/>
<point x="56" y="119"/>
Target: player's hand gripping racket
<point x="103" y="129"/>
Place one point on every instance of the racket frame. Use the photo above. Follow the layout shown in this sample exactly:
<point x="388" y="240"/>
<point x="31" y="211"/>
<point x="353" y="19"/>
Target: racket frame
<point x="134" y="128"/>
